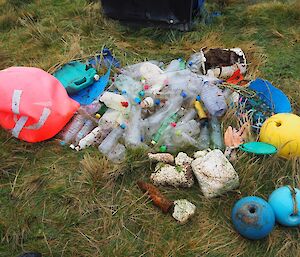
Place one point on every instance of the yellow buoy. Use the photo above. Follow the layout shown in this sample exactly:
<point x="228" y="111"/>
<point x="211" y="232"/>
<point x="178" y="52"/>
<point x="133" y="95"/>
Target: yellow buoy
<point x="283" y="131"/>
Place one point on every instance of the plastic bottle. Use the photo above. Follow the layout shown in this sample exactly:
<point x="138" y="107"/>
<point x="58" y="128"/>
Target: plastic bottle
<point x="90" y="139"/>
<point x="131" y="86"/>
<point x="217" y="141"/>
<point x="116" y="102"/>
<point x="117" y="154"/>
<point x="172" y="106"/>
<point x="86" y="129"/>
<point x="111" y="140"/>
<point x="189" y="115"/>
<point x="91" y="108"/>
<point x="213" y="99"/>
<point x="200" y="111"/>
<point x="175" y="65"/>
<point x="190" y="128"/>
<point x="71" y="130"/>
<point x="204" y="140"/>
<point x="196" y="63"/>
<point x="133" y="129"/>
<point x="165" y="124"/>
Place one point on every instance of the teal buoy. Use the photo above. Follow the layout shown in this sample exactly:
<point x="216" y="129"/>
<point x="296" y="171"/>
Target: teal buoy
<point x="259" y="148"/>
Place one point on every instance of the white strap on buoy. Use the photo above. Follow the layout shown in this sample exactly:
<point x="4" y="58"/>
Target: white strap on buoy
<point x="20" y="123"/>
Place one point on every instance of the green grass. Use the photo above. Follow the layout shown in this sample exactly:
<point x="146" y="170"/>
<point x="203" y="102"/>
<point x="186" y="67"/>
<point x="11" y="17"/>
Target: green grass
<point x="64" y="203"/>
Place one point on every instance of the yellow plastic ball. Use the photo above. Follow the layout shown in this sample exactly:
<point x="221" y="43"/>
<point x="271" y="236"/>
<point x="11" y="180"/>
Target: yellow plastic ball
<point x="283" y="131"/>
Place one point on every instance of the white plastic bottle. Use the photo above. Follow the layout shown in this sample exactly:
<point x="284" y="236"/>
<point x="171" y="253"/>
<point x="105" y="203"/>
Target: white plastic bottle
<point x="116" y="102"/>
<point x="91" y="139"/>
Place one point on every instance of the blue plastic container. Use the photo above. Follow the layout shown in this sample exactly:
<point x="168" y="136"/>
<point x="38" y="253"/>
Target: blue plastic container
<point x="272" y="96"/>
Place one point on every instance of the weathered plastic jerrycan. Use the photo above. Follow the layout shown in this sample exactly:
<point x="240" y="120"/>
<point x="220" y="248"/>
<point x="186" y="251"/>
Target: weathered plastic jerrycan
<point x="75" y="76"/>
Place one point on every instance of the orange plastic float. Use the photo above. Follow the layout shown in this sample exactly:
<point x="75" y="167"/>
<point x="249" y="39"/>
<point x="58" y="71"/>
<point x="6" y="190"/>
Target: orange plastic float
<point x="34" y="105"/>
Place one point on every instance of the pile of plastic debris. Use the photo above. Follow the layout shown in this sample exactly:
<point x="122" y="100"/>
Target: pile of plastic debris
<point x="163" y="108"/>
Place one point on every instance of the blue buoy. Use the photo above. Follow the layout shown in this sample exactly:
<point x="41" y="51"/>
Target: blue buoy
<point x="253" y="217"/>
<point x="285" y="202"/>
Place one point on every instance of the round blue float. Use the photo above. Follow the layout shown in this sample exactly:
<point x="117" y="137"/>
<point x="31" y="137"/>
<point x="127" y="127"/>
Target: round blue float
<point x="253" y="217"/>
<point x="285" y="202"/>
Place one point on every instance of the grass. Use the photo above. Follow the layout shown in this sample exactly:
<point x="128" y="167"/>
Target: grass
<point x="64" y="203"/>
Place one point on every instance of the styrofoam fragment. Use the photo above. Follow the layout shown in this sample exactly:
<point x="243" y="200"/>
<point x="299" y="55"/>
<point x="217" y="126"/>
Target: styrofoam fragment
<point x="215" y="174"/>
<point x="183" y="210"/>
<point x="168" y="175"/>
<point x="161" y="157"/>
<point x="200" y="154"/>
<point x="182" y="158"/>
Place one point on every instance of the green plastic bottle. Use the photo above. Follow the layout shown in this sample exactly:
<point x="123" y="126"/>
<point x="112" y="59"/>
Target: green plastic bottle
<point x="165" y="124"/>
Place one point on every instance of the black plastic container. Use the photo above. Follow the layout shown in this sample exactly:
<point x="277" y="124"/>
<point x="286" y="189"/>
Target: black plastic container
<point x="164" y="13"/>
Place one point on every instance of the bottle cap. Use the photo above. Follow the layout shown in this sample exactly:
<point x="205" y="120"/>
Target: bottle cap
<point x="146" y="87"/>
<point x="153" y="142"/>
<point x="198" y="98"/>
<point x="183" y="94"/>
<point x="142" y="93"/>
<point x="122" y="126"/>
<point x="124" y="92"/>
<point x="163" y="148"/>
<point x="157" y="101"/>
<point x="125" y="104"/>
<point x="98" y="116"/>
<point x="137" y="100"/>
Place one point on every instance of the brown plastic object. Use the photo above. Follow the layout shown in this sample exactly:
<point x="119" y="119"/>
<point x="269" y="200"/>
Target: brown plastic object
<point x="158" y="199"/>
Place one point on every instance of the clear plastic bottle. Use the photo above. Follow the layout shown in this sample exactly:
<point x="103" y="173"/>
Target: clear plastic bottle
<point x="189" y="115"/>
<point x="217" y="140"/>
<point x="204" y="140"/>
<point x="111" y="140"/>
<point x="213" y="99"/>
<point x="86" y="129"/>
<point x="91" y="108"/>
<point x="172" y="106"/>
<point x="117" y="154"/>
<point x="190" y="128"/>
<point x="175" y="65"/>
<point x="71" y="130"/>
<point x="132" y="133"/>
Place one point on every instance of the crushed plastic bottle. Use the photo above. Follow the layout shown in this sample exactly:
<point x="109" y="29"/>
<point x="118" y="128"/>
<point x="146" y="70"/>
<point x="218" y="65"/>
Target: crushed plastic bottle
<point x="217" y="141"/>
